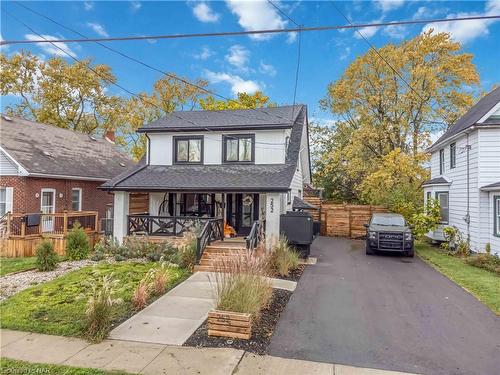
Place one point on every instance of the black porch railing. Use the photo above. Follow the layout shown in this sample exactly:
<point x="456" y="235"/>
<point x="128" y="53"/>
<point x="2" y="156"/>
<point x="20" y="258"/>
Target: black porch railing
<point x="252" y="240"/>
<point x="212" y="230"/>
<point x="163" y="225"/>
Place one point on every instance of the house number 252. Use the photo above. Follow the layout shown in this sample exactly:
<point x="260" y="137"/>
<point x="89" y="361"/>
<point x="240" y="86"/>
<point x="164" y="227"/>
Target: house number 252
<point x="271" y="205"/>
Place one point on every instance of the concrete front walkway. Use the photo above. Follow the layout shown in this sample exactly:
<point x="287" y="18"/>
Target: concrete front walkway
<point x="173" y="318"/>
<point x="155" y="359"/>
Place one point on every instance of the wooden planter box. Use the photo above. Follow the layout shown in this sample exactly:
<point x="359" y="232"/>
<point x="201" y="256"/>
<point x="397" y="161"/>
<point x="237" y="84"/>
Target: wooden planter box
<point x="229" y="324"/>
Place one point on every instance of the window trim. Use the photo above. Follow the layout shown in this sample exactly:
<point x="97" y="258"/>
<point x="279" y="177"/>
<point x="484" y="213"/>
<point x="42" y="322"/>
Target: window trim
<point x="453" y="155"/>
<point x="496" y="215"/>
<point x="54" y="194"/>
<point x="289" y="197"/>
<point x="4" y="188"/>
<point x="447" y="222"/>
<point x="175" y="139"/>
<point x="441" y="161"/>
<point x="225" y="137"/>
<point x="80" y="198"/>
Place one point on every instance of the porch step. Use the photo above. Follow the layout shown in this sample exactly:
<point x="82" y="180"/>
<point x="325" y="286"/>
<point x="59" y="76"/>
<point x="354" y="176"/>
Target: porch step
<point x="218" y="252"/>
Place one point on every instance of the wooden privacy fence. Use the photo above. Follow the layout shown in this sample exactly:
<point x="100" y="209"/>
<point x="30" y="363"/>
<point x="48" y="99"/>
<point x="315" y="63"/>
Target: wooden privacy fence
<point x="344" y="220"/>
<point x="20" y="237"/>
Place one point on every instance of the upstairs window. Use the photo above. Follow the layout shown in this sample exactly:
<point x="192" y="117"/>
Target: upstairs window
<point x="453" y="155"/>
<point x="238" y="148"/>
<point x="441" y="161"/>
<point x="188" y="150"/>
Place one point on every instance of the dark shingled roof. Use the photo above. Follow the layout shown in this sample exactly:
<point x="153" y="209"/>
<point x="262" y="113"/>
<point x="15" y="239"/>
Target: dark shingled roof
<point x="492" y="186"/>
<point x="435" y="181"/>
<point x="299" y="204"/>
<point x="210" y="178"/>
<point x="472" y="116"/>
<point x="48" y="150"/>
<point x="267" y="118"/>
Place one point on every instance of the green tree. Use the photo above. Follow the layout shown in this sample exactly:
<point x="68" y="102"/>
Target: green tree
<point x="244" y="101"/>
<point x="377" y="113"/>
<point x="56" y="92"/>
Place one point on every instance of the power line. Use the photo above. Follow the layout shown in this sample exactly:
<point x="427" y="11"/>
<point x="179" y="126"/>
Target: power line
<point x="170" y="75"/>
<point x="298" y="53"/>
<point x="251" y="32"/>
<point x="123" y="88"/>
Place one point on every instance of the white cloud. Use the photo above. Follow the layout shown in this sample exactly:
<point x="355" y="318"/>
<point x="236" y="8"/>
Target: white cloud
<point x="267" y="69"/>
<point x="49" y="48"/>
<point x="3" y="48"/>
<point x="204" y="13"/>
<point x="98" y="29"/>
<point x="256" y="15"/>
<point x="367" y="32"/>
<point x="345" y="53"/>
<point x="237" y="83"/>
<point x="389" y="5"/>
<point x="135" y="6"/>
<point x="466" y="31"/>
<point x="88" y="5"/>
<point x="204" y="54"/>
<point x="396" y="31"/>
<point x="238" y="57"/>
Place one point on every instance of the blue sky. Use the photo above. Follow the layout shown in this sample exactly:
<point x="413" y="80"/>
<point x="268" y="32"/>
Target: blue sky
<point x="233" y="64"/>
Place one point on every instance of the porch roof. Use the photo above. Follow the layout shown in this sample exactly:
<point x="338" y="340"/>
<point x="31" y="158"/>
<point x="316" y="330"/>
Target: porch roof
<point x="209" y="178"/>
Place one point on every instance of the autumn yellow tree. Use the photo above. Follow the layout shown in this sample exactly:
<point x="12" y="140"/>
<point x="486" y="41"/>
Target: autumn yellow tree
<point x="169" y="94"/>
<point x="56" y="92"/>
<point x="392" y="99"/>
<point x="243" y="101"/>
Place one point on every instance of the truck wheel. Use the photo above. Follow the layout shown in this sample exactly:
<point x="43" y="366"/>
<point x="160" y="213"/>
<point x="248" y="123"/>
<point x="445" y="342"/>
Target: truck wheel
<point x="369" y="250"/>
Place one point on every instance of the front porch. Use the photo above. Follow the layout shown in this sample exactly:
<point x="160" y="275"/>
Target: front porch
<point x="159" y="214"/>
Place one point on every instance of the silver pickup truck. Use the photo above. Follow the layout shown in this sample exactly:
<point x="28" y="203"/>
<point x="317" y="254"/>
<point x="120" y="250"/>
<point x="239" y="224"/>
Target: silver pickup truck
<point x="389" y="232"/>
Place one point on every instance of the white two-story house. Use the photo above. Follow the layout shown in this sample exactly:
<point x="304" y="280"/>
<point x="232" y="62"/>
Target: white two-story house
<point x="237" y="166"/>
<point x="465" y="175"/>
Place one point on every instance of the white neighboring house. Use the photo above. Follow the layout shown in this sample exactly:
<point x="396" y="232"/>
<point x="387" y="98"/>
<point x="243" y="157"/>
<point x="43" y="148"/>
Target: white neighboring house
<point x="465" y="175"/>
<point x="235" y="166"/>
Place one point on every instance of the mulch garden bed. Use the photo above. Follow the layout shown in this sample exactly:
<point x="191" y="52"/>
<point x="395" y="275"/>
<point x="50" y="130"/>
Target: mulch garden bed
<point x="262" y="330"/>
<point x="293" y="275"/>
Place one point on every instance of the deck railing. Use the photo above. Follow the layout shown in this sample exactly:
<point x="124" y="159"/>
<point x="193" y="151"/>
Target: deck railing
<point x="163" y="225"/>
<point x="213" y="230"/>
<point x="22" y="224"/>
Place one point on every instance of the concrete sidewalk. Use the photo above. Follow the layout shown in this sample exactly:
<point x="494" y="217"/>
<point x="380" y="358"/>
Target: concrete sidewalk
<point x="156" y="359"/>
<point x="173" y="318"/>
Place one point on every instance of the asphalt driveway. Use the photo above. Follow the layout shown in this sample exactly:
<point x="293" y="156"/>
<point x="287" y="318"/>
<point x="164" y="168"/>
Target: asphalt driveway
<point x="385" y="312"/>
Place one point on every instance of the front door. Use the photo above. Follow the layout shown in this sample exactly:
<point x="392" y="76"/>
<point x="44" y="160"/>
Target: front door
<point x="242" y="211"/>
<point x="48" y="206"/>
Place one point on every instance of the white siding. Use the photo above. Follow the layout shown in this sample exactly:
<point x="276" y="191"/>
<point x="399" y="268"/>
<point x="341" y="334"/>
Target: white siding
<point x="7" y="166"/>
<point x="458" y="185"/>
<point x="269" y="147"/>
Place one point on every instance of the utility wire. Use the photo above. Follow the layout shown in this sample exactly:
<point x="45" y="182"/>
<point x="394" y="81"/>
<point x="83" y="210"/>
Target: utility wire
<point x="170" y="75"/>
<point x="298" y="53"/>
<point x="123" y="88"/>
<point x="251" y="32"/>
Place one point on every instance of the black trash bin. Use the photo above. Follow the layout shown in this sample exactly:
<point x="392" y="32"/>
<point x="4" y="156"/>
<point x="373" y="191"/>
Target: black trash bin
<point x="298" y="228"/>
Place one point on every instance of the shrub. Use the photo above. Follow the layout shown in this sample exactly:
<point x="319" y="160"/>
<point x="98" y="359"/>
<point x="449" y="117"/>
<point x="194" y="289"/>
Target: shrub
<point x="455" y="243"/>
<point x="141" y="294"/>
<point x="46" y="257"/>
<point x="77" y="243"/>
<point x="99" y="306"/>
<point x="486" y="261"/>
<point x="283" y="259"/>
<point x="159" y="277"/>
<point x="241" y="284"/>
<point x="164" y="251"/>
<point x="187" y="256"/>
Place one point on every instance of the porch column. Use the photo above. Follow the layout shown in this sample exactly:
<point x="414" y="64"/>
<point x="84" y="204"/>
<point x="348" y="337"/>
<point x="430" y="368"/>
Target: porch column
<point x="273" y="211"/>
<point x="120" y="215"/>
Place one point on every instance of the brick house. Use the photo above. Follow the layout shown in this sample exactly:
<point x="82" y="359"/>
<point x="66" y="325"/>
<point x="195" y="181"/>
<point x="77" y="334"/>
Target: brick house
<point x="50" y="169"/>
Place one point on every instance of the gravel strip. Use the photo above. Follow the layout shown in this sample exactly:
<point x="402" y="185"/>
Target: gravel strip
<point x="14" y="283"/>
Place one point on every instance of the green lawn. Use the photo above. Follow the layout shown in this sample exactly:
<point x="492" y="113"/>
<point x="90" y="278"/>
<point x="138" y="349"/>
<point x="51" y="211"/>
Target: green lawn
<point x="9" y="265"/>
<point x="483" y="284"/>
<point x="58" y="306"/>
<point x="11" y="366"/>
